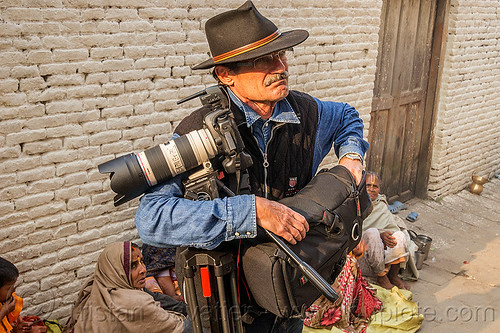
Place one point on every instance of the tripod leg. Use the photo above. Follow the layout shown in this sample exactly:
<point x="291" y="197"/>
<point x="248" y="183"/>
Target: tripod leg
<point x="194" y="310"/>
<point x="223" y="305"/>
<point x="235" y="308"/>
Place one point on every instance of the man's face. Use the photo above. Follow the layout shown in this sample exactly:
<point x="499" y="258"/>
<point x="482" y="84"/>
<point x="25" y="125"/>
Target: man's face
<point x="7" y="290"/>
<point x="138" y="270"/>
<point x="372" y="186"/>
<point x="262" y="80"/>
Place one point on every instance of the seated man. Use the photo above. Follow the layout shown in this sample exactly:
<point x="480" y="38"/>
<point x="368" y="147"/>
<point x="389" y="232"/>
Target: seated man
<point x="386" y="244"/>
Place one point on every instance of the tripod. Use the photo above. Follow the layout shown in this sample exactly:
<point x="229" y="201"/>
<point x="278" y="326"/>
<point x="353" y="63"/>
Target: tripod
<point x="210" y="268"/>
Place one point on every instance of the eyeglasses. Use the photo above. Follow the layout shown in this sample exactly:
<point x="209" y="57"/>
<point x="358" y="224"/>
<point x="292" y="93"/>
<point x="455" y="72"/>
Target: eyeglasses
<point x="267" y="61"/>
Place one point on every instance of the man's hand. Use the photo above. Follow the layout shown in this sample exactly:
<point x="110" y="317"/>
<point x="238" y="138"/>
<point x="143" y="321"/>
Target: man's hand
<point x="388" y="239"/>
<point x="281" y="220"/>
<point x="355" y="167"/>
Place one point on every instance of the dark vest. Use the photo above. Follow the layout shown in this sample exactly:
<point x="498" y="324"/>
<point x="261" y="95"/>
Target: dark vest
<point x="290" y="150"/>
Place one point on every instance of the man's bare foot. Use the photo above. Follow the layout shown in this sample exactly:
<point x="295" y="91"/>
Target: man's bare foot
<point x="384" y="282"/>
<point x="398" y="282"/>
<point x="395" y="279"/>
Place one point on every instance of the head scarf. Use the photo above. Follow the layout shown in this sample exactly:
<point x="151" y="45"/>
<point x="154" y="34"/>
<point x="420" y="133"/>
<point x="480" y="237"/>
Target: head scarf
<point x="108" y="302"/>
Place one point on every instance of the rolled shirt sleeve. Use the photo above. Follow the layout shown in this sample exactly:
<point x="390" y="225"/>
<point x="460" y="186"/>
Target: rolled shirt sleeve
<point x="165" y="219"/>
<point x="338" y="124"/>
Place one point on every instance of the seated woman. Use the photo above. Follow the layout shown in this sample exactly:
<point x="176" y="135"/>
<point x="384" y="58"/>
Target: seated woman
<point x="113" y="299"/>
<point x="386" y="245"/>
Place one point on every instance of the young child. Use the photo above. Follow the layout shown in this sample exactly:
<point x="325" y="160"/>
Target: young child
<point x="160" y="265"/>
<point x="10" y="304"/>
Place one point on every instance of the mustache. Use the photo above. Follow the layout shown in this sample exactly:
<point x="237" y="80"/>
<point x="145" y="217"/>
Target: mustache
<point x="270" y="79"/>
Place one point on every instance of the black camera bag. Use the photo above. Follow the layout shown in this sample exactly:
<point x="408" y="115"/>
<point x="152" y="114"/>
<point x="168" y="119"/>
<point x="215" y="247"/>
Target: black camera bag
<point x="335" y="207"/>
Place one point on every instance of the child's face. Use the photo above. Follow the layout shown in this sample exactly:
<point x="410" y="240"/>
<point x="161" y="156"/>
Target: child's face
<point x="7" y="289"/>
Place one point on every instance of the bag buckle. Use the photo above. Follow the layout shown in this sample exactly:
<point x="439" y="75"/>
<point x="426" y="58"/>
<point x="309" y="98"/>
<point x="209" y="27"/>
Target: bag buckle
<point x="355" y="232"/>
<point x="332" y="222"/>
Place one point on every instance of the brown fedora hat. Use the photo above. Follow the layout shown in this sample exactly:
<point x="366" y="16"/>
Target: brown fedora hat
<point x="243" y="34"/>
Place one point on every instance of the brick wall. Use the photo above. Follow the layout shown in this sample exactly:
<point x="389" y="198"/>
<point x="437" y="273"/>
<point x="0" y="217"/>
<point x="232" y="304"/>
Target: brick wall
<point x="84" y="81"/>
<point x="467" y="136"/>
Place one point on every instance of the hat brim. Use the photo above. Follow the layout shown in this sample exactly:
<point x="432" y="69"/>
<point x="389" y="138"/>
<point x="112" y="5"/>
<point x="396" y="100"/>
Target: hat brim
<point x="285" y="40"/>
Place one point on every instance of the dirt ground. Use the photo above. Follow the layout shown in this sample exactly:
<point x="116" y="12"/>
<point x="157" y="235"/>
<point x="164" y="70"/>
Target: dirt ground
<point x="458" y="290"/>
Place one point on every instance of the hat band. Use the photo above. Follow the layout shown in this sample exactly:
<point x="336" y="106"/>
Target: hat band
<point x="247" y="47"/>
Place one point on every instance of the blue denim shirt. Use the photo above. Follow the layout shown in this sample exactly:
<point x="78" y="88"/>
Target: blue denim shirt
<point x="164" y="218"/>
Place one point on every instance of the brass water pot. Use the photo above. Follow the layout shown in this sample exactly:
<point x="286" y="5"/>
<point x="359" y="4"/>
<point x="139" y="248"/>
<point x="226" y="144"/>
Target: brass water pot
<point x="476" y="186"/>
<point x="479" y="179"/>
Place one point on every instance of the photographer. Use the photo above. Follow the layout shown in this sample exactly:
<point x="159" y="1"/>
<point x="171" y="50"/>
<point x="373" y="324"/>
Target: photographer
<point x="287" y="134"/>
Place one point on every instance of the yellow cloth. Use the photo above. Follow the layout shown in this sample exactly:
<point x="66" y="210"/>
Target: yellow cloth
<point x="11" y="317"/>
<point x="399" y="315"/>
<point x="53" y="326"/>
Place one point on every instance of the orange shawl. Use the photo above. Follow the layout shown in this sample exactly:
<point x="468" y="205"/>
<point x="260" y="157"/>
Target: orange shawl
<point x="10" y="318"/>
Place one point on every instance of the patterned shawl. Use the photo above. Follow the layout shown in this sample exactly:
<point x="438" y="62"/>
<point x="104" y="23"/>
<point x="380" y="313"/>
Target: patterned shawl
<point x="352" y="311"/>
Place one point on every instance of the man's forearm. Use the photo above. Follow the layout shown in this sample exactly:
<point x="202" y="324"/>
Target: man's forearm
<point x="167" y="221"/>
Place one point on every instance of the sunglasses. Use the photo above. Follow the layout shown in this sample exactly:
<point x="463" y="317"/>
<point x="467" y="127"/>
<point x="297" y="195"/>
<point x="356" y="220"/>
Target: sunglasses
<point x="267" y="61"/>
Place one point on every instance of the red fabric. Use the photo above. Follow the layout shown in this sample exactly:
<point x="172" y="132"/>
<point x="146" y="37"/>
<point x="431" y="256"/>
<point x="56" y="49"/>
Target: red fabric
<point x="358" y="303"/>
<point x="367" y="301"/>
<point x="332" y="316"/>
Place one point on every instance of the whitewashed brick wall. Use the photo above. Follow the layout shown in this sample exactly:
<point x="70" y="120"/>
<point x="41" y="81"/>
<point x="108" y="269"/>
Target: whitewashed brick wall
<point x="85" y="81"/>
<point x="467" y="135"/>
